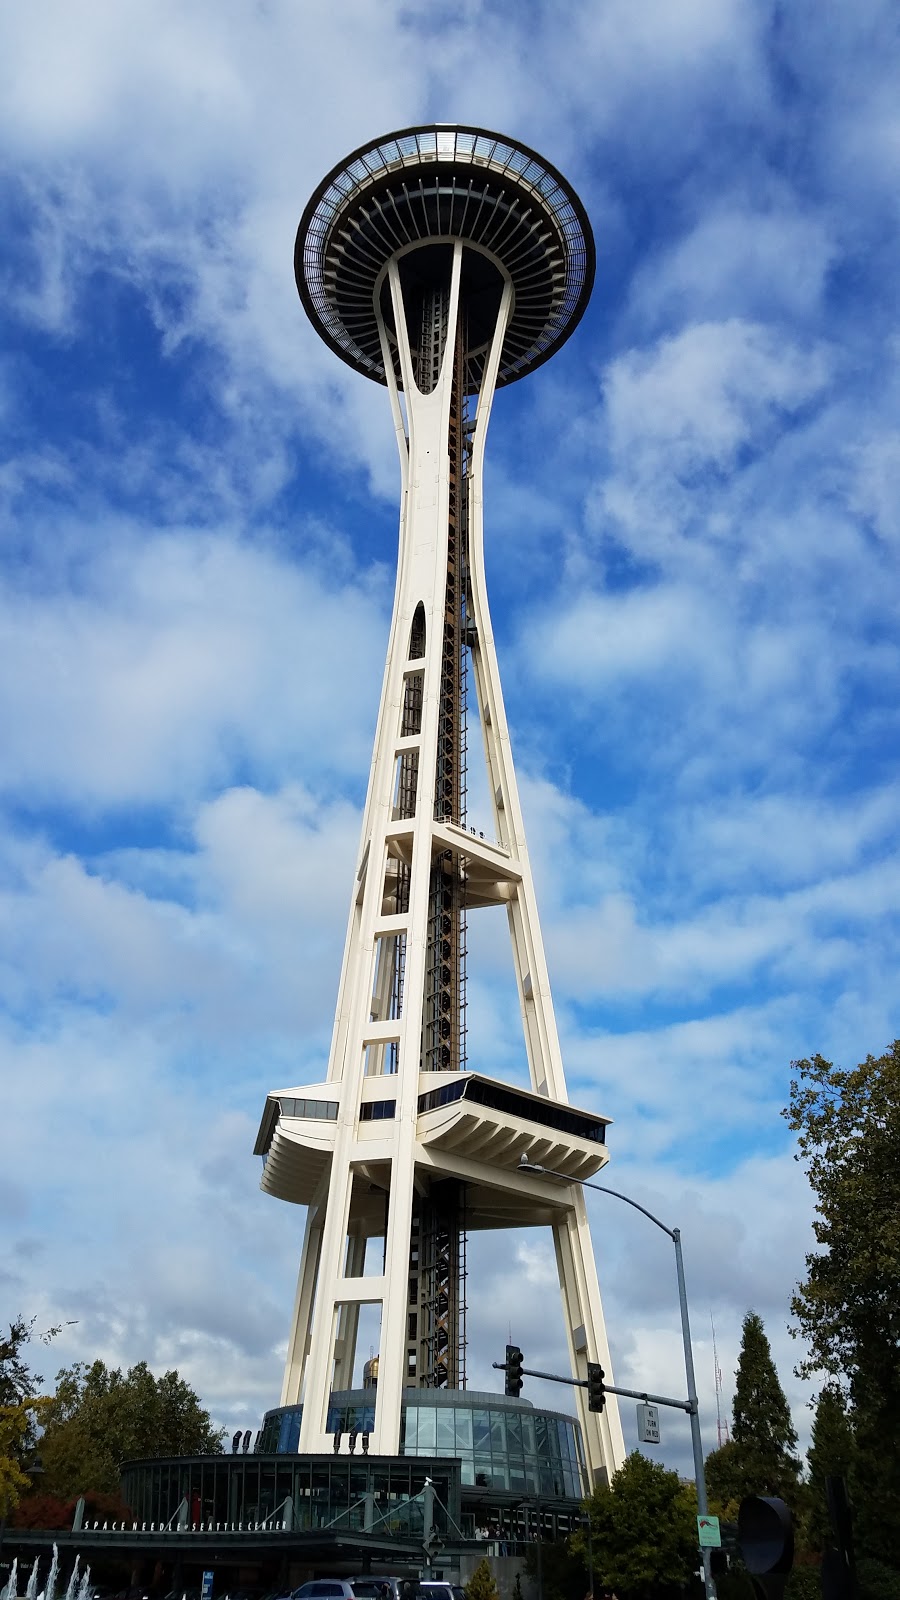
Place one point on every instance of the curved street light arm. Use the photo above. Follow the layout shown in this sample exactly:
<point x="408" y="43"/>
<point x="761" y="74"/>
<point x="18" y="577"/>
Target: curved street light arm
<point x="583" y="1183"/>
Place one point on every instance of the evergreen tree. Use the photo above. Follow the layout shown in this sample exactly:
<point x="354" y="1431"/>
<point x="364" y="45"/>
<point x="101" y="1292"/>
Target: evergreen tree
<point x="481" y="1585"/>
<point x="760" y="1457"/>
<point x="831" y="1453"/>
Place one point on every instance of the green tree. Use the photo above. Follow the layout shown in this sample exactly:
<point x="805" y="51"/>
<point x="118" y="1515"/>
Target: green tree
<point x="760" y="1456"/>
<point x="16" y="1427"/>
<point x="101" y="1417"/>
<point x="831" y="1453"/>
<point x="643" y="1530"/>
<point x="847" y="1123"/>
<point x="20" y="1409"/>
<point x="725" y="1480"/>
<point x="481" y="1585"/>
<point x="17" y="1381"/>
<point x="563" y="1571"/>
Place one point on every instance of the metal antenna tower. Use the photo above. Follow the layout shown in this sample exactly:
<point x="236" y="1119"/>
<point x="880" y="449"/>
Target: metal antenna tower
<point x="721" y="1422"/>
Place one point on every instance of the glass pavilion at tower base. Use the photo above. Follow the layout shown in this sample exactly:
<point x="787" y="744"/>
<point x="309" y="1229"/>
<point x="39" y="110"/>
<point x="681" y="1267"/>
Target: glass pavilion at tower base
<point x="500" y="1469"/>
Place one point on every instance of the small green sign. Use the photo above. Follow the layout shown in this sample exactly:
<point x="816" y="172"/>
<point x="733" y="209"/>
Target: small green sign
<point x="708" y="1533"/>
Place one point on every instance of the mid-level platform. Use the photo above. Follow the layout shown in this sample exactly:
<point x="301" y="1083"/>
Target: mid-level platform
<point x="467" y="1125"/>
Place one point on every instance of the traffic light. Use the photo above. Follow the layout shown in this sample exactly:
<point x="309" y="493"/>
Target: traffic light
<point x="766" y="1540"/>
<point x="514" y="1359"/>
<point x="596" y="1393"/>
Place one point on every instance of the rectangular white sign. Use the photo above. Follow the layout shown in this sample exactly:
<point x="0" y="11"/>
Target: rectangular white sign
<point x="648" y="1424"/>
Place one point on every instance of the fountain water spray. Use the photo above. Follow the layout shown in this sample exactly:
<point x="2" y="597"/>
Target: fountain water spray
<point x="50" y="1591"/>
<point x="72" y="1585"/>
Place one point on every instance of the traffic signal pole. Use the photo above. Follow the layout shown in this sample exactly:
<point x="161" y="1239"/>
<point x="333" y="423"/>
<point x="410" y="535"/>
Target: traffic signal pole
<point x="690" y="1405"/>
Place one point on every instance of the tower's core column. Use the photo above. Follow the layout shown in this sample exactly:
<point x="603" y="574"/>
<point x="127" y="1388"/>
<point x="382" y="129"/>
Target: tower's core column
<point x="444" y="263"/>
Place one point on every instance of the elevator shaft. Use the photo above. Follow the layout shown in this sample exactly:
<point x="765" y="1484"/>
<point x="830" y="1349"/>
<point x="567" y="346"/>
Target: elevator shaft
<point x="436" y="1331"/>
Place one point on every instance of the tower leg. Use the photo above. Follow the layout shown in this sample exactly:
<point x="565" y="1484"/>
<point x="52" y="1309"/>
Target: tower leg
<point x="298" y="1348"/>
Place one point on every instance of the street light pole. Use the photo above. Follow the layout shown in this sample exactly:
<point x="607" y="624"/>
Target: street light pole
<point x="692" y="1408"/>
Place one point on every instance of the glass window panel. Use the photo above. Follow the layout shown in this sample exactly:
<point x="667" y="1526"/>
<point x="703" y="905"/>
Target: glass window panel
<point x="498" y="1433"/>
<point x="528" y="1440"/>
<point x="446" y="1434"/>
<point x="514" y="1433"/>
<point x="427" y="1430"/>
<point x="481" y="1429"/>
<point x="464" y="1439"/>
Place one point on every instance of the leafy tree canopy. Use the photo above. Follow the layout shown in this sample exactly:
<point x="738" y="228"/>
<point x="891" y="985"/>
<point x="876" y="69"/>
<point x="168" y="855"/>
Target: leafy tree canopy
<point x="848" y="1130"/>
<point x="847" y="1123"/>
<point x="725" y="1480"/>
<point x="19" y="1409"/>
<point x="643" y="1531"/>
<point x="17" y="1381"/>
<point x="15" y="1425"/>
<point x="100" y="1417"/>
<point x="39" y="1510"/>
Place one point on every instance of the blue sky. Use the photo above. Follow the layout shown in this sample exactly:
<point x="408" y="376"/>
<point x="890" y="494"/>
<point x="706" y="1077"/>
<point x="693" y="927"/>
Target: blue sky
<point x="692" y="536"/>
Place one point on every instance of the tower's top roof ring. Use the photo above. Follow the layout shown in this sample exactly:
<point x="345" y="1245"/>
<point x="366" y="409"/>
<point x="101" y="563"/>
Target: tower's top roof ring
<point x="438" y="183"/>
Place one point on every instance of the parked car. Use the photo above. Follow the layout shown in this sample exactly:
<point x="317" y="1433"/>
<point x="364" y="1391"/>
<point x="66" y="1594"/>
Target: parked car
<point x="328" y="1589"/>
<point x="379" y="1587"/>
<point x="435" y="1589"/>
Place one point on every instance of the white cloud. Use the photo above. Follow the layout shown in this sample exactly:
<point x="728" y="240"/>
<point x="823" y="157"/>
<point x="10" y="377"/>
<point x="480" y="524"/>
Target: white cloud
<point x="769" y="265"/>
<point x="175" y="657"/>
<point x="695" y="399"/>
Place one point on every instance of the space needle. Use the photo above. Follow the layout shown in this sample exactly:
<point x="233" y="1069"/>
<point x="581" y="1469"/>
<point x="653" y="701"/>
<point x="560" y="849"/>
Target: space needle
<point x="444" y="262"/>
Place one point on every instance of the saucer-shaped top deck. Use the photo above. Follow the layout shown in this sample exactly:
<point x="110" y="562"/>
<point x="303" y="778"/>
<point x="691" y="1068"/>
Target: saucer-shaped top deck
<point x="411" y="193"/>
